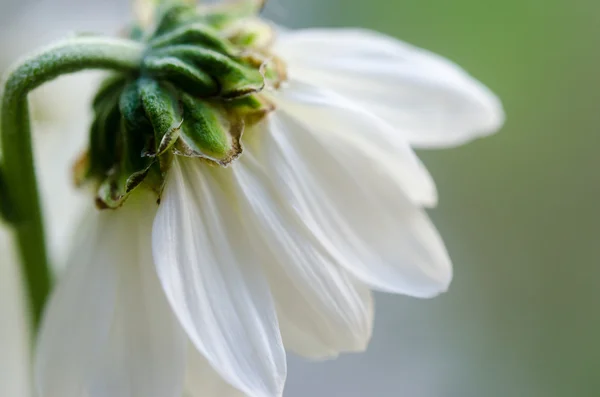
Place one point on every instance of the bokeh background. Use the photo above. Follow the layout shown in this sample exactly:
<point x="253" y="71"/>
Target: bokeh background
<point x="518" y="211"/>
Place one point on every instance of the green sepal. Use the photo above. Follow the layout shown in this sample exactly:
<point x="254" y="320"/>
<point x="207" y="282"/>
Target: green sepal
<point x="105" y="127"/>
<point x="114" y="190"/>
<point x="197" y="34"/>
<point x="162" y="108"/>
<point x="182" y="74"/>
<point x="235" y="79"/>
<point x="170" y="17"/>
<point x="135" y="135"/>
<point x="197" y="88"/>
<point x="131" y="109"/>
<point x="252" y="109"/>
<point x="209" y="132"/>
<point x="138" y="132"/>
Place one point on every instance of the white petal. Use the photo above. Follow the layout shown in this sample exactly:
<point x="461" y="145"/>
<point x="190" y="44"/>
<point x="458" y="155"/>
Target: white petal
<point x="378" y="142"/>
<point x="349" y="198"/>
<point x="146" y="350"/>
<point x="203" y="381"/>
<point x="426" y="98"/>
<point x="322" y="310"/>
<point x="14" y="326"/>
<point x="213" y="280"/>
<point x="108" y="330"/>
<point x="77" y="320"/>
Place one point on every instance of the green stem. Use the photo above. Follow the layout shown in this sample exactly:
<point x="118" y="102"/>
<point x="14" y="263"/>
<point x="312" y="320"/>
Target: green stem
<point x="5" y="211"/>
<point x="20" y="185"/>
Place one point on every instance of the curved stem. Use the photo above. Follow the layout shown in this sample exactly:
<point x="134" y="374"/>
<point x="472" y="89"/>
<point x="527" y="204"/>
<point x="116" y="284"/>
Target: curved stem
<point x="5" y="211"/>
<point x="20" y="185"/>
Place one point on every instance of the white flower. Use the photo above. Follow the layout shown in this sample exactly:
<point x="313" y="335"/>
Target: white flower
<point x="200" y="294"/>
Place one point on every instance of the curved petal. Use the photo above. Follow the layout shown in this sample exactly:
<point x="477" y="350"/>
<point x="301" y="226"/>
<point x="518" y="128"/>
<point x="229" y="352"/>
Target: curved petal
<point x="349" y="125"/>
<point x="213" y="280"/>
<point x="426" y="98"/>
<point x="202" y="380"/>
<point x="77" y="319"/>
<point x="14" y="331"/>
<point x="322" y="310"/>
<point x="146" y="351"/>
<point x="108" y="330"/>
<point x="349" y="198"/>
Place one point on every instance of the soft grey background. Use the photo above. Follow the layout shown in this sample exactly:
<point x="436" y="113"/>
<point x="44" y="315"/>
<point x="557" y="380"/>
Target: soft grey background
<point x="519" y="211"/>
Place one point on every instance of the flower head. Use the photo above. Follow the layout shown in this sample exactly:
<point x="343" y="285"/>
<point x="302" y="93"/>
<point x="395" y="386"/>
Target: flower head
<point x="198" y="88"/>
<point x="255" y="188"/>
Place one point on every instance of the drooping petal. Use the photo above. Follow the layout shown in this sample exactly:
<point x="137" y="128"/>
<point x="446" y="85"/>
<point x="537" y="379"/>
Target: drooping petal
<point x="375" y="139"/>
<point x="349" y="198"/>
<point x="14" y="332"/>
<point x="426" y="98"/>
<point x="322" y="310"/>
<point x="108" y="330"/>
<point x="146" y="350"/>
<point x="202" y="380"/>
<point x="212" y="277"/>
<point x="77" y="319"/>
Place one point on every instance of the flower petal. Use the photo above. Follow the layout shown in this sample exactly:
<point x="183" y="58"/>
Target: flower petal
<point x="203" y="381"/>
<point x="14" y="331"/>
<point x="214" y="283"/>
<point x="146" y="350"/>
<point x="77" y="319"/>
<point x="377" y="141"/>
<point x="108" y="330"/>
<point x="322" y="310"/>
<point x="349" y="198"/>
<point x="426" y="98"/>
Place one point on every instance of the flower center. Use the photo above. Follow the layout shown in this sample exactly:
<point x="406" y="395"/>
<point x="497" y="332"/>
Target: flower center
<point x="197" y="89"/>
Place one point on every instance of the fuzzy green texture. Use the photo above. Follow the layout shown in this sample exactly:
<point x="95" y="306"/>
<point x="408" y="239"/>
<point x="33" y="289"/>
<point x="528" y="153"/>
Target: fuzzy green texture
<point x="207" y="131"/>
<point x="194" y="93"/>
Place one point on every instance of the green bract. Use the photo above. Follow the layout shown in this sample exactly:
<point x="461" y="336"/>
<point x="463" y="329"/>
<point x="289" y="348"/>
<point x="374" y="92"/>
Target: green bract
<point x="196" y="90"/>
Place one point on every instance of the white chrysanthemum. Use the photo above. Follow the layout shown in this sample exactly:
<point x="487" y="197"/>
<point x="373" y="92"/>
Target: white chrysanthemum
<point x="199" y="295"/>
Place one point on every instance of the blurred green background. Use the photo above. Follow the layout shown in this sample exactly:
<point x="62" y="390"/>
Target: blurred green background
<point x="518" y="211"/>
